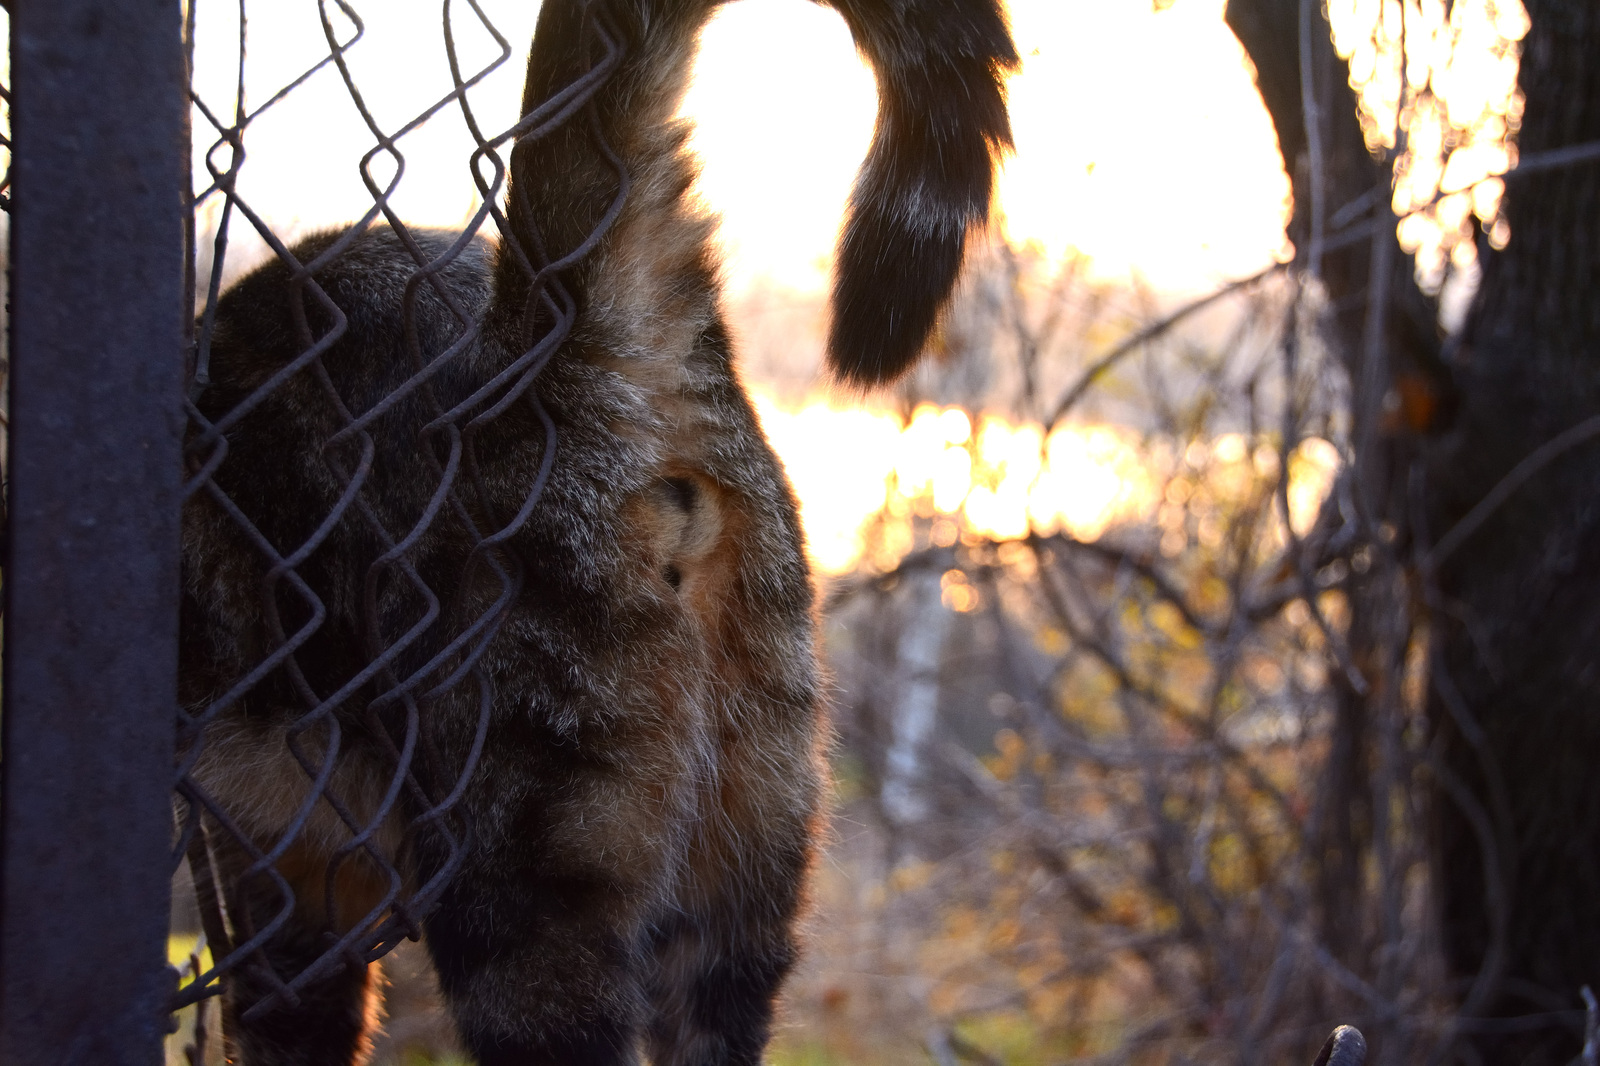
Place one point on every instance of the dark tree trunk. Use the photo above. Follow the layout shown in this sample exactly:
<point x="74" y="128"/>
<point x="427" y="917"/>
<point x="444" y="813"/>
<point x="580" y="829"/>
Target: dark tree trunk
<point x="1517" y="674"/>
<point x="1515" y="611"/>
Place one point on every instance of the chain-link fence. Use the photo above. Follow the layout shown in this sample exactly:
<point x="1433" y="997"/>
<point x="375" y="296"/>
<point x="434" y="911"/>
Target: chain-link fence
<point x="344" y="567"/>
<point x="348" y="558"/>
<point x="346" y="505"/>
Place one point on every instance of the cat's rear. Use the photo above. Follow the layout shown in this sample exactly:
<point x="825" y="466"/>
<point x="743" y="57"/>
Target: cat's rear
<point x="519" y="528"/>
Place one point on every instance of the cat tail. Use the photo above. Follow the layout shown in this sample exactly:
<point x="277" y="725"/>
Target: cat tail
<point x="927" y="180"/>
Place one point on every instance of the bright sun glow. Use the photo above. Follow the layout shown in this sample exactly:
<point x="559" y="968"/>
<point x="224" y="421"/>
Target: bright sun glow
<point x="1141" y="143"/>
<point x="1445" y="76"/>
<point x="1140" y="139"/>
<point x="1001" y="480"/>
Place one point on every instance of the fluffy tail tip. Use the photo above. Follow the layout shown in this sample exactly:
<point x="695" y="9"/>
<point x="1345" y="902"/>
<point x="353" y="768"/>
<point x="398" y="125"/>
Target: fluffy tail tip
<point x="889" y="289"/>
<point x="927" y="182"/>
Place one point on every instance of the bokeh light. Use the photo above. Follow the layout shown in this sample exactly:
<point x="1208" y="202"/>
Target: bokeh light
<point x="854" y="467"/>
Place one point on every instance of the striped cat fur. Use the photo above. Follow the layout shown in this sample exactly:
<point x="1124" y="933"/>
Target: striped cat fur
<point x="643" y="811"/>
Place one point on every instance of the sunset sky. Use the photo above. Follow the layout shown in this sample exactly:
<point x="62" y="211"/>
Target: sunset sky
<point x="1140" y="139"/>
<point x="1141" y="143"/>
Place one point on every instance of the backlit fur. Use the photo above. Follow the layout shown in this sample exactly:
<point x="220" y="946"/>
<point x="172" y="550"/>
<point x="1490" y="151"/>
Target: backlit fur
<point x="643" y="810"/>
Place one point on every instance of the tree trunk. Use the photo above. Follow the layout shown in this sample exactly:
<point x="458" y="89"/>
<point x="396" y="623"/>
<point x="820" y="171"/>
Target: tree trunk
<point x="1517" y="672"/>
<point x="1515" y="608"/>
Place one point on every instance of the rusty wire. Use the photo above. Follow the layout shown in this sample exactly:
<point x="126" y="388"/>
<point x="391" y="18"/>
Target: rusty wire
<point x="446" y="446"/>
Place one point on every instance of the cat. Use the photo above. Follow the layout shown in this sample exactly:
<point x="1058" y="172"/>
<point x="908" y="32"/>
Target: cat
<point x="555" y="560"/>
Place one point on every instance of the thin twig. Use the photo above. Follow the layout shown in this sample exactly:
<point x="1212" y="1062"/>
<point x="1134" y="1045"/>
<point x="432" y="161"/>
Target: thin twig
<point x="1534" y="162"/>
<point x="1098" y="368"/>
<point x="1358" y="206"/>
<point x="1591" y="1028"/>
<point x="1536" y="461"/>
<point x="1144" y="564"/>
<point x="1313" y="119"/>
<point x="1373" y="381"/>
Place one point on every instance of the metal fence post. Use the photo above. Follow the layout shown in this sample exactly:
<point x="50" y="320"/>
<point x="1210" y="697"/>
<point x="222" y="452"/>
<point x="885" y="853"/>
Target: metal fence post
<point x="99" y="124"/>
